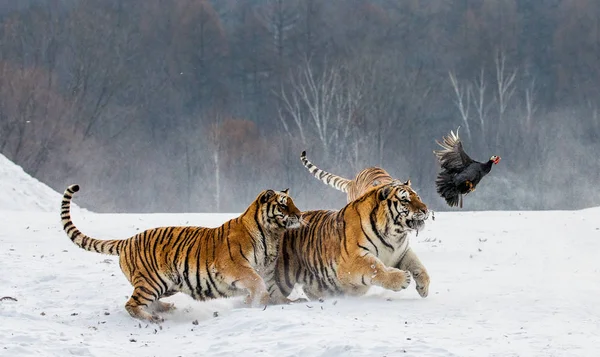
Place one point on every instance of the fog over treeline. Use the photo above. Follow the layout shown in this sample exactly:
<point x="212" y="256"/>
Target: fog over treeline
<point x="196" y="105"/>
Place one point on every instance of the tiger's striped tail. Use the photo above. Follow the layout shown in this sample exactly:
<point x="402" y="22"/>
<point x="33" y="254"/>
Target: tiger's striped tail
<point x="337" y="182"/>
<point x="112" y="247"/>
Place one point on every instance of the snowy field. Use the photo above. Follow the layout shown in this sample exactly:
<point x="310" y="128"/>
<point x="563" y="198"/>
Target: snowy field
<point x="503" y="284"/>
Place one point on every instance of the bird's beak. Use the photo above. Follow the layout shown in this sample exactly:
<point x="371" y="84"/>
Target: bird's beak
<point x="497" y="160"/>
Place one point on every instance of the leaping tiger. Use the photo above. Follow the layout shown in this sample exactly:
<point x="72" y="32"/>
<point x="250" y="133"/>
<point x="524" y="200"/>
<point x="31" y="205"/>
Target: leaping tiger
<point x="345" y="252"/>
<point x="205" y="263"/>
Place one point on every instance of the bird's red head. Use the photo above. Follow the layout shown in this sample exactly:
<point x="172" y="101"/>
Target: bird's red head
<point x="495" y="159"/>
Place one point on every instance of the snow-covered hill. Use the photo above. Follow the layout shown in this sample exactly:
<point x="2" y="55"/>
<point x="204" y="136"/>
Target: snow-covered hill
<point x="503" y="284"/>
<point x="21" y="192"/>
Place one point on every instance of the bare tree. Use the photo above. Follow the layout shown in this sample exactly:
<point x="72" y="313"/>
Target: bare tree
<point x="215" y="141"/>
<point x="478" y="93"/>
<point x="505" y="88"/>
<point x="97" y="68"/>
<point x="280" y="18"/>
<point x="292" y="107"/>
<point x="462" y="101"/>
<point x="34" y="118"/>
<point x="325" y="103"/>
<point x="530" y="104"/>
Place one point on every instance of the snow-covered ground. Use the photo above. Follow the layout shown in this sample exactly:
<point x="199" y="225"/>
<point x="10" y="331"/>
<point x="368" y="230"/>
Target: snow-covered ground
<point x="503" y="284"/>
<point x="21" y="192"/>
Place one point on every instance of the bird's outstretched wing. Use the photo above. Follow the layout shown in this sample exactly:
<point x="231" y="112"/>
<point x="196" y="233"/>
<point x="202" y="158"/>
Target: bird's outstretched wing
<point x="452" y="157"/>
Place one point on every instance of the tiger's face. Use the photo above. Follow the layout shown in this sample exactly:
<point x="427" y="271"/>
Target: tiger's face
<point x="279" y="210"/>
<point x="403" y="205"/>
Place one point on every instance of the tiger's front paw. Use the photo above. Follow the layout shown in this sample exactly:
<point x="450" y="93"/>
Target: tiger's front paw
<point x="422" y="281"/>
<point x="398" y="280"/>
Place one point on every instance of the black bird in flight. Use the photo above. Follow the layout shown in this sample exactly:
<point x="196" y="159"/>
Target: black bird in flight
<point x="459" y="173"/>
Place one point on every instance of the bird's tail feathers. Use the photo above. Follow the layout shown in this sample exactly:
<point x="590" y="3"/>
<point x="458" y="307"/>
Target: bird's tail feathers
<point x="446" y="188"/>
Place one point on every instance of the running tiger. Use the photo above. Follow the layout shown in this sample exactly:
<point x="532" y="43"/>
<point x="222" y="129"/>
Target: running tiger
<point x="345" y="252"/>
<point x="205" y="263"/>
<point x="367" y="178"/>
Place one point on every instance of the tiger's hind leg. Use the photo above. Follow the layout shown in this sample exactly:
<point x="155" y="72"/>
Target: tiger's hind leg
<point x="141" y="299"/>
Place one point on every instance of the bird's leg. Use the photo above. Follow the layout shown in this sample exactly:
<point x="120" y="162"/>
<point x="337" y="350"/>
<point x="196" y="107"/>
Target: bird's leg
<point x="460" y="201"/>
<point x="470" y="185"/>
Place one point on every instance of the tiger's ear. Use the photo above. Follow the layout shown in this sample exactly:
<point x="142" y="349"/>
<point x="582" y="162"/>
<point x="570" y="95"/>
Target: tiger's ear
<point x="407" y="183"/>
<point x="384" y="192"/>
<point x="286" y="191"/>
<point x="265" y="197"/>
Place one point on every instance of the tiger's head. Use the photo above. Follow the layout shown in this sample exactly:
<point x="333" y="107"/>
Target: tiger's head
<point x="400" y="205"/>
<point x="278" y="210"/>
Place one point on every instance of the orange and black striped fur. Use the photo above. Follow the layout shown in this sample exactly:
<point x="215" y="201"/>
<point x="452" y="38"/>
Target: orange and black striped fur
<point x="367" y="178"/>
<point x="204" y="263"/>
<point x="345" y="252"/>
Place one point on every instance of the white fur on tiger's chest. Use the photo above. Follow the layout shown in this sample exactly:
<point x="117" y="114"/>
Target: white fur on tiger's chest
<point x="392" y="257"/>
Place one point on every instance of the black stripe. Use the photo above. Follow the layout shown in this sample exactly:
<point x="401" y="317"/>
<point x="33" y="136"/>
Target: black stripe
<point x="210" y="259"/>
<point x="374" y="228"/>
<point x="128" y="248"/>
<point x="210" y="278"/>
<point x="144" y="290"/>
<point x="86" y="242"/>
<point x="197" y="238"/>
<point x="263" y="240"/>
<point x="163" y="284"/>
<point x="254" y="250"/>
<point x="370" y="241"/>
<point x="363" y="247"/>
<point x="229" y="249"/>
<point x="286" y="268"/>
<point x="135" y="298"/>
<point x="71" y="230"/>
<point x="344" y="238"/>
<point x="99" y="245"/>
<point x="298" y="272"/>
<point x="207" y="291"/>
<point x="147" y="257"/>
<point x="186" y="266"/>
<point x="177" y="244"/>
<point x="243" y="255"/>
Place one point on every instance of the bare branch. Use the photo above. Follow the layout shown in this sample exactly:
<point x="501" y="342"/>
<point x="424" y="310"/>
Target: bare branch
<point x="460" y="100"/>
<point x="505" y="89"/>
<point x="324" y="103"/>
<point x="479" y="100"/>
<point x="530" y="106"/>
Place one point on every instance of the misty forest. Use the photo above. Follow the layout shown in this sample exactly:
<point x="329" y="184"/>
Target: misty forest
<point x="197" y="105"/>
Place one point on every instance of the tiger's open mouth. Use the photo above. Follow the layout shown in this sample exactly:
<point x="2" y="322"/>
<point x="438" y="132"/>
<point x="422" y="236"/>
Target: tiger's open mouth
<point x="416" y="224"/>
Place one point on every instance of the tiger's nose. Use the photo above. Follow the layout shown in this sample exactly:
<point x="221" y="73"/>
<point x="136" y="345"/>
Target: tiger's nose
<point x="423" y="214"/>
